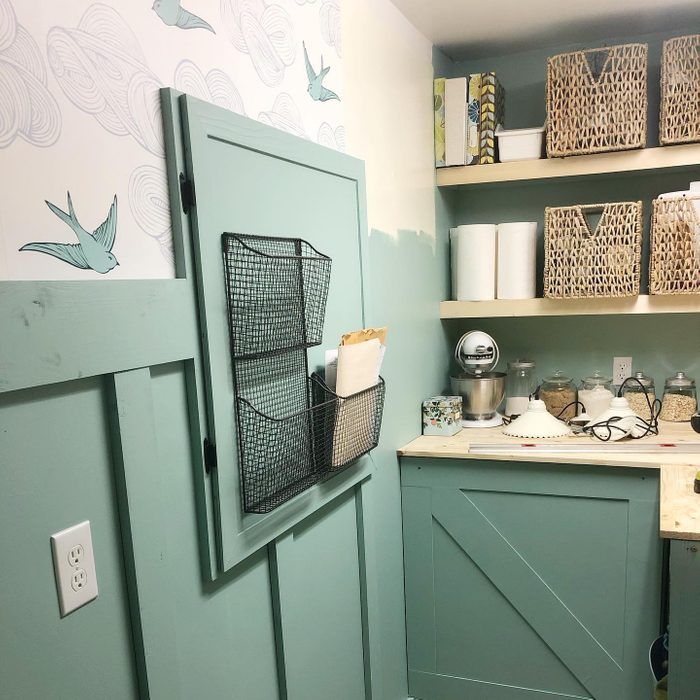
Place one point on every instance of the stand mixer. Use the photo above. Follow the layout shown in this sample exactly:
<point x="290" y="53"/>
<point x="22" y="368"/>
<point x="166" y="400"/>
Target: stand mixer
<point x="482" y="390"/>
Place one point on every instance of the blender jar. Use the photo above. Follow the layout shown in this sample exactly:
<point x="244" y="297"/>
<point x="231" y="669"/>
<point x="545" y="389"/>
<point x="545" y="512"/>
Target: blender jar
<point x="680" y="399"/>
<point x="637" y="390"/>
<point x="557" y="392"/>
<point x="520" y="385"/>
<point x="596" y="394"/>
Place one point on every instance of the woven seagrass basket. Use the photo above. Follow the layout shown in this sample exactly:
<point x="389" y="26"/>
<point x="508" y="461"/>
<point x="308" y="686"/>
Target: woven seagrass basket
<point x="679" y="120"/>
<point x="597" y="100"/>
<point x="581" y="262"/>
<point x="674" y="259"/>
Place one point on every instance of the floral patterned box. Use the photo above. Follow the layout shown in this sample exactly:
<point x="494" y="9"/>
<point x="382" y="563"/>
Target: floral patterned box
<point x="442" y="415"/>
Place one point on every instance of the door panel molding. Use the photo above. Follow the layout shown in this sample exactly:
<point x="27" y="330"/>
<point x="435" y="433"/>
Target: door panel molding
<point x="141" y="507"/>
<point x="529" y="594"/>
<point x="59" y="331"/>
<point x="466" y="505"/>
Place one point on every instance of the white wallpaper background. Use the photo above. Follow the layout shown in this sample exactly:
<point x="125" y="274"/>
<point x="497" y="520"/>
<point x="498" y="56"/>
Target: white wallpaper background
<point x="80" y="114"/>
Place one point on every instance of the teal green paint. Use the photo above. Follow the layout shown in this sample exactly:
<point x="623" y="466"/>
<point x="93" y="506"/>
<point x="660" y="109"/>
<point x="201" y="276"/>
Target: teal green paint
<point x="141" y="506"/>
<point x="524" y="578"/>
<point x="684" y="640"/>
<point x="173" y="15"/>
<point x="49" y="328"/>
<point x="56" y="472"/>
<point x="408" y="277"/>
<point x="93" y="250"/>
<point x="224" y="630"/>
<point x="318" y="582"/>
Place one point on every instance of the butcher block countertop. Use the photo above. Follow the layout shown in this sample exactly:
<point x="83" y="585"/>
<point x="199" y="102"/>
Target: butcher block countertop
<point x="679" y="505"/>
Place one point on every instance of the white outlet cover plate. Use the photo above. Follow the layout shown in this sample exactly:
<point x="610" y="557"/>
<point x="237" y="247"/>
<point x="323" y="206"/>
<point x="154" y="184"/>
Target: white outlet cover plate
<point x="74" y="567"/>
<point x="622" y="368"/>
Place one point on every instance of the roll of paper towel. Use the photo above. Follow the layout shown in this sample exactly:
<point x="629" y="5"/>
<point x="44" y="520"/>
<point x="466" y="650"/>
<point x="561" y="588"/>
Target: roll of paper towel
<point x="517" y="260"/>
<point x="475" y="249"/>
<point x="454" y="261"/>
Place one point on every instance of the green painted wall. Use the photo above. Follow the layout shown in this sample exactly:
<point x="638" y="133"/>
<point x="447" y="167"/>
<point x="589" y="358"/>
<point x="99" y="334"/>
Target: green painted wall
<point x="408" y="278"/>
<point x="40" y="431"/>
<point x="292" y="620"/>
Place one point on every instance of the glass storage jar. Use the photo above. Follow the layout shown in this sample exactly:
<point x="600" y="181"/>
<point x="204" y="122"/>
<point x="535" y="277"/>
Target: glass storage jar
<point x="520" y="385"/>
<point x="637" y="389"/>
<point x="557" y="392"/>
<point x="680" y="399"/>
<point x="596" y="394"/>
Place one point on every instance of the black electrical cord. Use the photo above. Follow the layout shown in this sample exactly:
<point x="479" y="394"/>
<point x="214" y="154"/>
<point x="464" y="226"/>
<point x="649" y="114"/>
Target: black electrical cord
<point x="569" y="405"/>
<point x="651" y="427"/>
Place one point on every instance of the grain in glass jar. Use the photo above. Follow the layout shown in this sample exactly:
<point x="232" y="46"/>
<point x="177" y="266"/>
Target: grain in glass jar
<point x="557" y="392"/>
<point x="637" y="390"/>
<point x="680" y="399"/>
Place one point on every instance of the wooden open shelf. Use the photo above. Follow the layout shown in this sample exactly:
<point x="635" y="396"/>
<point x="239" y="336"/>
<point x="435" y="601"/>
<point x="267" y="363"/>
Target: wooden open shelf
<point x="522" y="308"/>
<point x="647" y="159"/>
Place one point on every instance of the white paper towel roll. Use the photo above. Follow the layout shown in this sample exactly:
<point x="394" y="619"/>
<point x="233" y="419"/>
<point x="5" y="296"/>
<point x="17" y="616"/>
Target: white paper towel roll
<point x="453" y="263"/>
<point x="517" y="260"/>
<point x="476" y="262"/>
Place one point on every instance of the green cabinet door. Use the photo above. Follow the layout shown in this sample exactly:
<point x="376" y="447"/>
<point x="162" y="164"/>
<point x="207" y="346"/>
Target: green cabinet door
<point x="529" y="581"/>
<point x="684" y="622"/>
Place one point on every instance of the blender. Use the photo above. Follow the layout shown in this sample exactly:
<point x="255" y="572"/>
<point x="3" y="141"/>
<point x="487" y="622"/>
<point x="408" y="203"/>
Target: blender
<point x="482" y="389"/>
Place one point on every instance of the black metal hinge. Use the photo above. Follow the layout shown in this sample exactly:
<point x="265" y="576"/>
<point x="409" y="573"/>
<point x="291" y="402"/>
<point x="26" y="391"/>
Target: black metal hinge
<point x="209" y="455"/>
<point x="187" y="195"/>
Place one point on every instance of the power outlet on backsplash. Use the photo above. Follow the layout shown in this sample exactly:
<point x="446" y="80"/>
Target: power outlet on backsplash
<point x="622" y="368"/>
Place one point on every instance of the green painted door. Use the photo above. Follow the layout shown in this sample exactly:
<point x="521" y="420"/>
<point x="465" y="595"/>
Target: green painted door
<point x="528" y="581"/>
<point x="250" y="178"/>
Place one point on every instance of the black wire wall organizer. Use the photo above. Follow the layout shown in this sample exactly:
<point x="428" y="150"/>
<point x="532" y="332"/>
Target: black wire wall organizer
<point x="293" y="430"/>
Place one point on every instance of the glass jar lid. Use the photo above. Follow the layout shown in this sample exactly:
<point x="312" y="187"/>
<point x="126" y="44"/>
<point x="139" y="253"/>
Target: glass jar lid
<point x="597" y="379"/>
<point x="679" y="379"/>
<point x="521" y="364"/>
<point x="642" y="378"/>
<point x="558" y="379"/>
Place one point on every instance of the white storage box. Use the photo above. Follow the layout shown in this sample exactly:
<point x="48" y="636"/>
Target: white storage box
<point x="520" y="144"/>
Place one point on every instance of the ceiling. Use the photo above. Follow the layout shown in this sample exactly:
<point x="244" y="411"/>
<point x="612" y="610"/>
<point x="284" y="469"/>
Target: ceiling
<point x="469" y="29"/>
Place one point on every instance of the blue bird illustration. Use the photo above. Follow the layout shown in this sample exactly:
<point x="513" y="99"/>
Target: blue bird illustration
<point x="316" y="89"/>
<point x="175" y="16"/>
<point x="93" y="250"/>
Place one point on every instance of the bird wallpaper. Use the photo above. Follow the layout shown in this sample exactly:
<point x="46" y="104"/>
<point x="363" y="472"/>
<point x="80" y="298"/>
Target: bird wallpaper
<point x="84" y="191"/>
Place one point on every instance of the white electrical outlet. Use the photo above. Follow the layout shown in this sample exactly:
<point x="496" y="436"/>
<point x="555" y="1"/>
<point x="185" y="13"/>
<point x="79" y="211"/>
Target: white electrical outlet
<point x="74" y="567"/>
<point x="622" y="368"/>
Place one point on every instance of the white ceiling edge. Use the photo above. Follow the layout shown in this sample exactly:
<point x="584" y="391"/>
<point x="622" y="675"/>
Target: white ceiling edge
<point x="472" y="29"/>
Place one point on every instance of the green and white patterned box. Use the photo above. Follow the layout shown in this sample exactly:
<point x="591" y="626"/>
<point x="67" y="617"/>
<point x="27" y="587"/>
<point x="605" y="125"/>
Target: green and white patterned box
<point x="442" y="415"/>
<point x="439" y="109"/>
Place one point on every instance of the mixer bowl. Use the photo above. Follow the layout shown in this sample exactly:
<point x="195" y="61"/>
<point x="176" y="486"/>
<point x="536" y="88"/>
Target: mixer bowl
<point x="481" y="393"/>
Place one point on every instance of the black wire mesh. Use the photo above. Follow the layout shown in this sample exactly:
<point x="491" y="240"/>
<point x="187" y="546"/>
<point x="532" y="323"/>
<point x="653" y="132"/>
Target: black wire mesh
<point x="280" y="431"/>
<point x="355" y="423"/>
<point x="293" y="431"/>
<point x="277" y="290"/>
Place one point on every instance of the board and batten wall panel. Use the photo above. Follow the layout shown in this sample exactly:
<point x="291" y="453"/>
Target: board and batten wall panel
<point x="56" y="470"/>
<point x="225" y="634"/>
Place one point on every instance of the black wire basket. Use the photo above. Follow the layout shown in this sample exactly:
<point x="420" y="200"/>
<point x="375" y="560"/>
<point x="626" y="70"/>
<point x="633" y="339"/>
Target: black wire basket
<point x="355" y="423"/>
<point x="277" y="290"/>
<point x="293" y="431"/>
